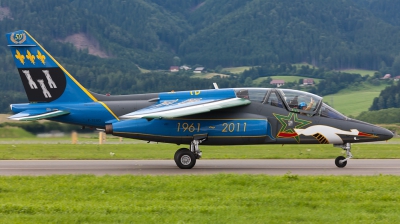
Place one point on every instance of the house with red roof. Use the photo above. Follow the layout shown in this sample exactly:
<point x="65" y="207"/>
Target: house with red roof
<point x="277" y="82"/>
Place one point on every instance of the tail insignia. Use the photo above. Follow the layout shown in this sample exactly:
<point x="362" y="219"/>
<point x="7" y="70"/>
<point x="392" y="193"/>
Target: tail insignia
<point x="20" y="57"/>
<point x="44" y="79"/>
<point x="18" y="38"/>
<point x="41" y="57"/>
<point x="41" y="84"/>
<point x="30" y="56"/>
<point x="46" y="93"/>
<point x="28" y="76"/>
<point x="49" y="79"/>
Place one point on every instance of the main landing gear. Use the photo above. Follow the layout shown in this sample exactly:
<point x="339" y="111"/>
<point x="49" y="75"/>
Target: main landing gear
<point x="186" y="158"/>
<point x="340" y="161"/>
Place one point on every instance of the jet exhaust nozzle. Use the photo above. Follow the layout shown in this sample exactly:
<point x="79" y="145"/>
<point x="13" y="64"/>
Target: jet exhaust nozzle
<point x="109" y="129"/>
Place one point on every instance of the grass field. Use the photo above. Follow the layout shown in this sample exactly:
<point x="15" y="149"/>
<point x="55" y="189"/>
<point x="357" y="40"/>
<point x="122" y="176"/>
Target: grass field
<point x="133" y="149"/>
<point x="362" y="72"/>
<point x="354" y="100"/>
<point x="14" y="132"/>
<point x="142" y="70"/>
<point x="286" y="78"/>
<point x="222" y="198"/>
<point x="208" y="75"/>
<point x="237" y="70"/>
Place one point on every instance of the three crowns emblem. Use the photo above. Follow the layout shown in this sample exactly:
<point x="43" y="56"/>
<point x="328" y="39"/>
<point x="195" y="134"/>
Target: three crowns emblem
<point x="31" y="57"/>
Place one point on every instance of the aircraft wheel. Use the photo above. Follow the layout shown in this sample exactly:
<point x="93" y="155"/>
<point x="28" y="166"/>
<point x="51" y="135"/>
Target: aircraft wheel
<point x="340" y="164"/>
<point x="185" y="159"/>
<point x="179" y="150"/>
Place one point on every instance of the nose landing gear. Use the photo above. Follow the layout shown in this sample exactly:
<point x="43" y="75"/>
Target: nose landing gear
<point x="340" y="161"/>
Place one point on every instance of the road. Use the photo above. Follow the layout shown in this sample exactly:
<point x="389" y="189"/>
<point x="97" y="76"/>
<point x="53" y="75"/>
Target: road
<point x="203" y="167"/>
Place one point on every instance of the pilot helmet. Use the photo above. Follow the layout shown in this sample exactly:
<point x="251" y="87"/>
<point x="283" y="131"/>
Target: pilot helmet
<point x="302" y="104"/>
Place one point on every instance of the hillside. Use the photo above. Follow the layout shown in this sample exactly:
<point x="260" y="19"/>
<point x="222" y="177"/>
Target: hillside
<point x="335" y="34"/>
<point x="354" y="100"/>
<point x="149" y="33"/>
<point x="387" y="10"/>
<point x="104" y="43"/>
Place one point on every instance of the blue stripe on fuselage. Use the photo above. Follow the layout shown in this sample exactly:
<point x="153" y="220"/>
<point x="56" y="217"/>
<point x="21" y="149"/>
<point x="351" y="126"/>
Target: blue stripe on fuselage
<point x="184" y="128"/>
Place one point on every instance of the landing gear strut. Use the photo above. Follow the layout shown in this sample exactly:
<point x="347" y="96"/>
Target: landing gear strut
<point x="186" y="158"/>
<point x="340" y="161"/>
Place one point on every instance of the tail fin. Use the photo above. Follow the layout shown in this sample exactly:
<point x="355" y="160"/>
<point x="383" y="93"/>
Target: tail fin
<point x="44" y="79"/>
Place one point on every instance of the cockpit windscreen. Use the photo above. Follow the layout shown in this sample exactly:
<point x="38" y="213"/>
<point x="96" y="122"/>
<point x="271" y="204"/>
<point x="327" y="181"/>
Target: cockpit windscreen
<point x="300" y="101"/>
<point x="327" y="111"/>
<point x="253" y="94"/>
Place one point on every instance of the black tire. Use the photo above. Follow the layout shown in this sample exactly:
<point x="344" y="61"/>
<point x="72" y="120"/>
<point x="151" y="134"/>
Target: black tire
<point x="179" y="150"/>
<point x="185" y="159"/>
<point x="337" y="162"/>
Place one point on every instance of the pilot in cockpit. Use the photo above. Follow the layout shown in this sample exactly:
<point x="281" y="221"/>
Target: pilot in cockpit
<point x="304" y="106"/>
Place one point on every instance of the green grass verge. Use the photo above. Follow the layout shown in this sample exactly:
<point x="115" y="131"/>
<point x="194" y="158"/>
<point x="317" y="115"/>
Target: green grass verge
<point x="362" y="72"/>
<point x="14" y="132"/>
<point x="286" y="78"/>
<point x="208" y="75"/>
<point x="142" y="70"/>
<point x="222" y="198"/>
<point x="166" y="151"/>
<point x="237" y="70"/>
<point x="354" y="100"/>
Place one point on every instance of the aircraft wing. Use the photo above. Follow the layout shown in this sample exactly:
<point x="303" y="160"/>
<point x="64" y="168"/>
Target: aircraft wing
<point x="32" y="115"/>
<point x="184" y="107"/>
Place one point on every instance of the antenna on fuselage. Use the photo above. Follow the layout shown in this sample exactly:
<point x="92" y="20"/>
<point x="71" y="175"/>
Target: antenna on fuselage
<point x="215" y="85"/>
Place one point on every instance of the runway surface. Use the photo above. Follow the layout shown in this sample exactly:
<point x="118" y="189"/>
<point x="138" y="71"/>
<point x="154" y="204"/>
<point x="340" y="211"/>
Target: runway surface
<point x="203" y="167"/>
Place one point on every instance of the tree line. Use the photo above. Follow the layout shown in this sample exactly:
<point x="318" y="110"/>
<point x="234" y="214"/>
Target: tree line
<point x="150" y="33"/>
<point x="153" y="34"/>
<point x="332" y="81"/>
<point x="388" y="98"/>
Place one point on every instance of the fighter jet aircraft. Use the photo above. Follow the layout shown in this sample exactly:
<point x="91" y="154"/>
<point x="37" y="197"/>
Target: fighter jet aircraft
<point x="234" y="116"/>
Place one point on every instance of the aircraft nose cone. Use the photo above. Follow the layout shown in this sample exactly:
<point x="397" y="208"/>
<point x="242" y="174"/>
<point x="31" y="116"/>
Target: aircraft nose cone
<point x="383" y="133"/>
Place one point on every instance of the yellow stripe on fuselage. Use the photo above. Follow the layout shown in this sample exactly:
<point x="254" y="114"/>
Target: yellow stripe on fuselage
<point x="109" y="110"/>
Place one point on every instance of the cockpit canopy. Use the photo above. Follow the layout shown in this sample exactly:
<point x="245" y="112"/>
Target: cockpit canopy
<point x="296" y="100"/>
<point x="292" y="100"/>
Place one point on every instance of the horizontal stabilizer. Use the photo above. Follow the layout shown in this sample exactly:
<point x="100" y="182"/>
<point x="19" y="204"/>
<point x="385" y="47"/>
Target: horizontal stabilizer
<point x="33" y="115"/>
<point x="180" y="109"/>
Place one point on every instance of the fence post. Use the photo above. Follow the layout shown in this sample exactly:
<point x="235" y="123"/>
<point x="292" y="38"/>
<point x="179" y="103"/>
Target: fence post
<point x="74" y="136"/>
<point x="100" y="137"/>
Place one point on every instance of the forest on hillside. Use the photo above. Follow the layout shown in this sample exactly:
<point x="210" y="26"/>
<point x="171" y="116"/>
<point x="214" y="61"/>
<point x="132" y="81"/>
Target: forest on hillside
<point x="150" y="33"/>
<point x="388" y="98"/>
<point x="155" y="34"/>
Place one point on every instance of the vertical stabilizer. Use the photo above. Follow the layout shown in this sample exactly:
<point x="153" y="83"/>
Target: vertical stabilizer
<point x="44" y="79"/>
